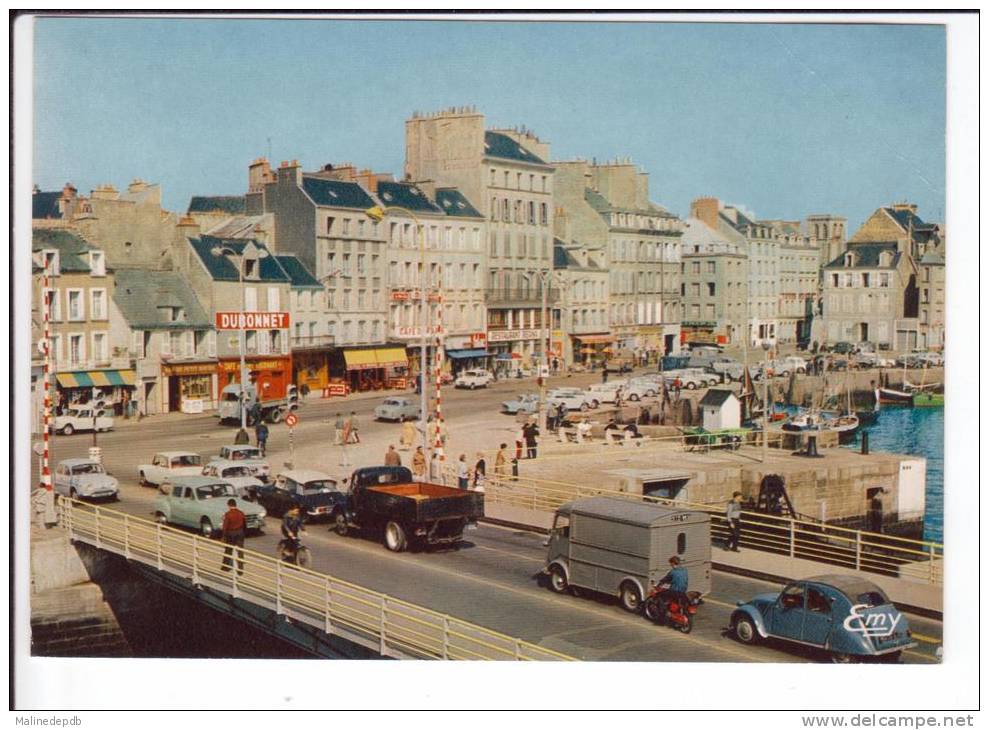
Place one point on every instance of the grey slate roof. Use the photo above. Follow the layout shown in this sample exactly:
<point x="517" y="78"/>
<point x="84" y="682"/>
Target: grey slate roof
<point x="562" y="259"/>
<point x="336" y="193"/>
<point x="922" y="232"/>
<point x="932" y="258"/>
<point x="221" y="268"/>
<point x="141" y="295"/>
<point x="45" y="205"/>
<point x="867" y="255"/>
<point x="231" y="204"/>
<point x="455" y="204"/>
<point x="501" y="145"/>
<point x="406" y="195"/>
<point x="603" y="205"/>
<point x="716" y="397"/>
<point x="70" y="246"/>
<point x="298" y="273"/>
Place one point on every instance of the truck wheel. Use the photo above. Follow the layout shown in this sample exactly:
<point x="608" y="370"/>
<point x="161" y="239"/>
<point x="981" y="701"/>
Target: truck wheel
<point x="340" y="523"/>
<point x="744" y="630"/>
<point x="691" y="385"/>
<point x="395" y="537"/>
<point x="630" y="598"/>
<point x="276" y="415"/>
<point x="558" y="579"/>
<point x="67" y="430"/>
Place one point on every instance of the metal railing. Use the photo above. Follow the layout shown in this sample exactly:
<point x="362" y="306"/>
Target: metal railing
<point x="914" y="560"/>
<point x="390" y="626"/>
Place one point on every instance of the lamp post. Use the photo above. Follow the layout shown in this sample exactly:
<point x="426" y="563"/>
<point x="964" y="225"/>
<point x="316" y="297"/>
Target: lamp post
<point x="545" y="278"/>
<point x="220" y="251"/>
<point x="377" y="214"/>
<point x="765" y="403"/>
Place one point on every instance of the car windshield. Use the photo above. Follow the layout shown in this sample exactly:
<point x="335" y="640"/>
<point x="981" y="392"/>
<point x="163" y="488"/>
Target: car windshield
<point x="88" y="469"/>
<point x="237" y="471"/>
<point x="187" y="460"/>
<point x="317" y="486"/>
<point x="231" y="397"/>
<point x="240" y="454"/>
<point x="211" y="491"/>
<point x="392" y="402"/>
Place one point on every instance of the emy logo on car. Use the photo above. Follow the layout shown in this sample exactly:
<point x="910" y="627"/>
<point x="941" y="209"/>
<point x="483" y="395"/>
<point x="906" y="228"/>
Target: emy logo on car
<point x="880" y="625"/>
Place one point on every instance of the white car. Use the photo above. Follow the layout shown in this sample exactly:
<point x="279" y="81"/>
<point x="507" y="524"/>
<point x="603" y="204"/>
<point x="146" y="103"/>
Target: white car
<point x="573" y="399"/>
<point x="792" y="364"/>
<point x="250" y="456"/>
<point x="238" y="473"/>
<point x="80" y="418"/>
<point x="84" y="478"/>
<point x="471" y="379"/>
<point x="168" y="464"/>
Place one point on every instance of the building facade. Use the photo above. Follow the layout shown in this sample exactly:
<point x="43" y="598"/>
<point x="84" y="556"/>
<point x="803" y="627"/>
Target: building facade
<point x="505" y="174"/>
<point x="714" y="286"/>
<point x="799" y="281"/>
<point x="580" y="330"/>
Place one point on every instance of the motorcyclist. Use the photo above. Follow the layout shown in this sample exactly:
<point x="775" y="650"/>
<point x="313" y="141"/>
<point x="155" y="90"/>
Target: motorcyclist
<point x="677" y="581"/>
<point x="292" y="529"/>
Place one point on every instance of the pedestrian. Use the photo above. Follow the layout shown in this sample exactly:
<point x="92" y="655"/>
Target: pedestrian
<point x="233" y="529"/>
<point x="261" y="434"/>
<point x="501" y="462"/>
<point x="418" y="465"/>
<point x="604" y="374"/>
<point x="338" y="427"/>
<point x="436" y="469"/>
<point x="392" y="457"/>
<point x="409" y="436"/>
<point x="618" y="397"/>
<point x="254" y="413"/>
<point x="355" y="428"/>
<point x="346" y="431"/>
<point x="480" y="472"/>
<point x="418" y="383"/>
<point x="463" y="473"/>
<point x="519" y="442"/>
<point x="531" y="432"/>
<point x="733" y="513"/>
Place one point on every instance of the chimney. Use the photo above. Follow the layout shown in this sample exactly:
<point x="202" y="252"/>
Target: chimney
<point x="706" y="211"/>
<point x="137" y="185"/>
<point x="258" y="174"/>
<point x="290" y="171"/>
<point x="188" y="227"/>
<point x="104" y="192"/>
<point x="69" y="191"/>
<point x="912" y="207"/>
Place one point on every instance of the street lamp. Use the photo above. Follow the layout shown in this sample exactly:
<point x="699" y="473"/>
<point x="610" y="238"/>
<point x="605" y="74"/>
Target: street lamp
<point x="545" y="277"/>
<point x="221" y="251"/>
<point x="377" y="214"/>
<point x="765" y="403"/>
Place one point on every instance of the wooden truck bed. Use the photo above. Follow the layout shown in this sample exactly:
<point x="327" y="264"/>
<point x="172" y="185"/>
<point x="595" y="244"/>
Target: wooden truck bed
<point x="418" y="490"/>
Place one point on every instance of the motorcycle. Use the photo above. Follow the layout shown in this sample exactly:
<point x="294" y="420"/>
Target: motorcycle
<point x="293" y="551"/>
<point x="662" y="607"/>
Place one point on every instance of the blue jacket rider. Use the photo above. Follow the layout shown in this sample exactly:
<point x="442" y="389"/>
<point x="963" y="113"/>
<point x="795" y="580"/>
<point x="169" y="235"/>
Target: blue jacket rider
<point x="678" y="581"/>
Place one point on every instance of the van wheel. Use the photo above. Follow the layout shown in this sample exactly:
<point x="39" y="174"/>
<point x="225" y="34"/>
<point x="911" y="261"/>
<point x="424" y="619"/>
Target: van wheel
<point x="744" y="630"/>
<point x="558" y="579"/>
<point x="67" y="430"/>
<point x="395" y="537"/>
<point x="630" y="597"/>
<point x="340" y="523"/>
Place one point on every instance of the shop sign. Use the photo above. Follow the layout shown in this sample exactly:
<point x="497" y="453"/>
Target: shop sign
<point x="232" y="366"/>
<point x="252" y="320"/>
<point x="509" y="335"/>
<point x="411" y="332"/>
<point x="204" y="368"/>
<point x="479" y="340"/>
<point x="415" y="295"/>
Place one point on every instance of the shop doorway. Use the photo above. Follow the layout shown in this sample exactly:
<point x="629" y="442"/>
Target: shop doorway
<point x="174" y="395"/>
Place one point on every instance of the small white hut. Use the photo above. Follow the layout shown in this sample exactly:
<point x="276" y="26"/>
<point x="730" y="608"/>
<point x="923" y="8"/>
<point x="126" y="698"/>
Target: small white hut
<point x="720" y="408"/>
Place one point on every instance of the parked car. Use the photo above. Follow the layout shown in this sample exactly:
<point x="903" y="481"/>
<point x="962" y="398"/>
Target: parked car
<point x="248" y="456"/>
<point x="239" y="474"/>
<point x="843" y="348"/>
<point x="864" y="346"/>
<point x="573" y="399"/>
<point x="397" y="409"/>
<point x="866" y="360"/>
<point x="81" y="419"/>
<point x="846" y="616"/>
<point x="926" y="359"/>
<point x="471" y="379"/>
<point x="315" y="493"/>
<point x="200" y="503"/>
<point x="84" y="479"/>
<point x="169" y="464"/>
<point x="691" y="378"/>
<point x="524" y="403"/>
<point x="792" y="364"/>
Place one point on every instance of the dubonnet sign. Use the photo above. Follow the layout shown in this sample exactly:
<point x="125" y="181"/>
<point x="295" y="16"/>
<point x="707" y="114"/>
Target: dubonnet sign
<point x="251" y="320"/>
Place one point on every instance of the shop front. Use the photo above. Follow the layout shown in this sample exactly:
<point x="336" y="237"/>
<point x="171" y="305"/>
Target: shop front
<point x="310" y="369"/>
<point x="377" y="368"/>
<point x="594" y="349"/>
<point x="466" y="352"/>
<point x="701" y="333"/>
<point x="270" y="374"/>
<point x="189" y="387"/>
<point x="114" y="388"/>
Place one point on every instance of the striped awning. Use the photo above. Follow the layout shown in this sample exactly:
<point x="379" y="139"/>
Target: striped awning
<point x="384" y="357"/>
<point x="95" y="378"/>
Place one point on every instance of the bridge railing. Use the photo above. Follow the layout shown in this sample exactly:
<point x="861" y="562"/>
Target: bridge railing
<point x="916" y="560"/>
<point x="388" y="625"/>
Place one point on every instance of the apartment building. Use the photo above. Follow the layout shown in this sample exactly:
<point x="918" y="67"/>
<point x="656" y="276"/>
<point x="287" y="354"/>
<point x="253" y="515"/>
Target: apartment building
<point x="714" y="286"/>
<point x="580" y="330"/>
<point x="799" y="281"/>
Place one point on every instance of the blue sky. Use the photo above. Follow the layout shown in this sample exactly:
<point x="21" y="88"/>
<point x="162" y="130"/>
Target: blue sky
<point x="786" y="120"/>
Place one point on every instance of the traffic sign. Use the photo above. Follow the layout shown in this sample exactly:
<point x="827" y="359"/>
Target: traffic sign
<point x="291" y="419"/>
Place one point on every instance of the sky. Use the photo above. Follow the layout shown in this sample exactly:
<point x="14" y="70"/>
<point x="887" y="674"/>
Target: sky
<point x="785" y="120"/>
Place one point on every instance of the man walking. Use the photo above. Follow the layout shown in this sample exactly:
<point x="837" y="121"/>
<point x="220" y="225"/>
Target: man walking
<point x="530" y="432"/>
<point x="261" y="434"/>
<point x="463" y="473"/>
<point x="733" y="514"/>
<point x="604" y="374"/>
<point x="418" y="465"/>
<point x="338" y="426"/>
<point x="355" y="428"/>
<point x="233" y="528"/>
<point x="501" y="462"/>
<point x="392" y="457"/>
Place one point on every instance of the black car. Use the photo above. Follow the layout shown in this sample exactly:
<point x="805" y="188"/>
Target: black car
<point x="316" y="494"/>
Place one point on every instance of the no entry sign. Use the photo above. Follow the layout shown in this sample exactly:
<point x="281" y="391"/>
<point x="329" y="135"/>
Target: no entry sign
<point x="251" y="320"/>
<point x="291" y="419"/>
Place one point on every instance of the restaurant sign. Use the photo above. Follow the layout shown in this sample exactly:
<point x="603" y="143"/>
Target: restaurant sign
<point x="509" y="335"/>
<point x="252" y="320"/>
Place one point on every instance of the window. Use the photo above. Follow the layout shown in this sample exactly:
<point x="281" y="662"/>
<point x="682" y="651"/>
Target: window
<point x="884" y="281"/>
<point x="329" y="225"/>
<point x="345" y="269"/>
<point x="834" y="281"/>
<point x="251" y="340"/>
<point x="865" y="280"/>
<point x="76" y="312"/>
<point x="681" y="543"/>
<point x="175" y="343"/>
<point x="346" y="226"/>
<point x="250" y="299"/>
<point x="710" y="288"/>
<point x="97" y="263"/>
<point x="273" y="299"/>
<point x="532" y="212"/>
<point x="506" y="211"/>
<point x="711" y="267"/>
<point x="817" y="602"/>
<point x="695" y="290"/>
<point x="544" y="214"/>
<point x="695" y="267"/>
<point x="99" y="346"/>
<point x="793" y="596"/>
<point x="54" y="304"/>
<point x="77" y="349"/>
<point x="494" y="244"/>
<point x="494" y="209"/>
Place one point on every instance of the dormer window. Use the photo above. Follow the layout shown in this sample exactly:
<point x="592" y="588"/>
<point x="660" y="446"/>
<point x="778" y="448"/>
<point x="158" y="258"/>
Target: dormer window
<point x="250" y="268"/>
<point x="849" y="259"/>
<point x="49" y="261"/>
<point x="97" y="263"/>
<point x="885" y="258"/>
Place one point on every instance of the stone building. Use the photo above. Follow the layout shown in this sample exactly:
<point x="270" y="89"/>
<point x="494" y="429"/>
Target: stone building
<point x="763" y="252"/>
<point x="932" y="302"/>
<point x="504" y="173"/>
<point x="607" y="206"/>
<point x="80" y="285"/>
<point x="799" y="281"/>
<point x="714" y="286"/>
<point x="828" y="233"/>
<point x="580" y="330"/>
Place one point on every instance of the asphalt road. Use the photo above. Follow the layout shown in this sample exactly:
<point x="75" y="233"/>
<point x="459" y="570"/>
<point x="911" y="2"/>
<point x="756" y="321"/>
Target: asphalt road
<point x="493" y="580"/>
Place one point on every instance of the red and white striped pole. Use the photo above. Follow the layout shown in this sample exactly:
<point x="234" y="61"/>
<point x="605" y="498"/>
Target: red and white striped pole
<point x="438" y="446"/>
<point x="46" y="297"/>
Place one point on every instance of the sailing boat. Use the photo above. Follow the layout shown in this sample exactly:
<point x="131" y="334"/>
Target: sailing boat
<point x="924" y="396"/>
<point x="892" y="396"/>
